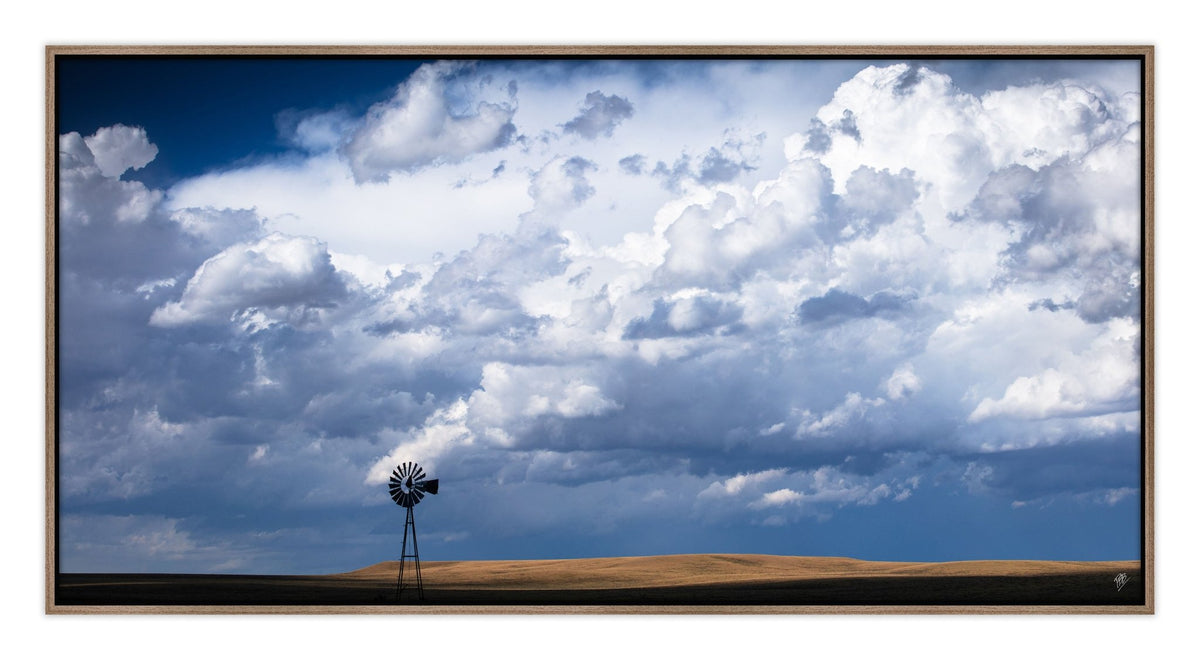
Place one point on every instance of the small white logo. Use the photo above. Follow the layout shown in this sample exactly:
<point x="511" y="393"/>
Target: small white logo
<point x="1121" y="579"/>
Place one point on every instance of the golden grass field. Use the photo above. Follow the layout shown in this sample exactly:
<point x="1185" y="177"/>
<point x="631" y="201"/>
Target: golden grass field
<point x="672" y="580"/>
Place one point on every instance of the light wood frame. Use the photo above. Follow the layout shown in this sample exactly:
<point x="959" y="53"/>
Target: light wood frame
<point x="1144" y="52"/>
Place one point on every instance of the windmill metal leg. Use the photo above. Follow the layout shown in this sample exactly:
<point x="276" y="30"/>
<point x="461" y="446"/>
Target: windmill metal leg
<point x="403" y="552"/>
<point x="417" y="557"/>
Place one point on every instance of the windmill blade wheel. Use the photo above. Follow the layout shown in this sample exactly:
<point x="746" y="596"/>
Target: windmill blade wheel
<point x="408" y="485"/>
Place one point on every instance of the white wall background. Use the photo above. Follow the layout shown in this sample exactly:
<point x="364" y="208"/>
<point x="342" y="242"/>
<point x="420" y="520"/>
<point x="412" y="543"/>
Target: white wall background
<point x="28" y="28"/>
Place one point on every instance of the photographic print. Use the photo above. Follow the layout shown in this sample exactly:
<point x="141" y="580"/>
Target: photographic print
<point x="599" y="329"/>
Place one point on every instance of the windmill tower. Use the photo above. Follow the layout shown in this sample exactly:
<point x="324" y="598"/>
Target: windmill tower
<point x="407" y="487"/>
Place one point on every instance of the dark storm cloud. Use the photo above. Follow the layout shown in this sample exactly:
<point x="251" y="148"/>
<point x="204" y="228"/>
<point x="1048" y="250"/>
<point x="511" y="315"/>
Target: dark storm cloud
<point x="600" y="115"/>
<point x="165" y="418"/>
<point x="1104" y="467"/>
<point x="118" y="266"/>
<point x="351" y="411"/>
<point x="393" y="326"/>
<point x="837" y="306"/>
<point x="580" y="467"/>
<point x="682" y="318"/>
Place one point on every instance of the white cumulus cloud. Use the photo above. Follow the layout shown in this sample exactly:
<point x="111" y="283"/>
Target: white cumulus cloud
<point x="119" y="147"/>
<point x="277" y="273"/>
<point x="419" y="127"/>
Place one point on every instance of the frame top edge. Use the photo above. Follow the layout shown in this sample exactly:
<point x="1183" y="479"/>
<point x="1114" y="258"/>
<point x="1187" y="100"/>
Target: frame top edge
<point x="602" y="50"/>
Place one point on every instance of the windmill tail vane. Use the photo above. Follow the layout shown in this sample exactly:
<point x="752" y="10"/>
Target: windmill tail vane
<point x="407" y="487"/>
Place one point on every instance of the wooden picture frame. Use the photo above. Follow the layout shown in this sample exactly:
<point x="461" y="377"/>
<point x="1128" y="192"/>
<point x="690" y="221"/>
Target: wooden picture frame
<point x="97" y="592"/>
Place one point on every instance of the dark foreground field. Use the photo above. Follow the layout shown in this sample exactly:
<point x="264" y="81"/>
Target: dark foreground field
<point x="687" y="580"/>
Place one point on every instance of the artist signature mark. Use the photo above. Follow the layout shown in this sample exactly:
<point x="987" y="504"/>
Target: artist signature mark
<point x="1121" y="580"/>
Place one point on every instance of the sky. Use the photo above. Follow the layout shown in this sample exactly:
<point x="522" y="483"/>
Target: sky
<point x="879" y="309"/>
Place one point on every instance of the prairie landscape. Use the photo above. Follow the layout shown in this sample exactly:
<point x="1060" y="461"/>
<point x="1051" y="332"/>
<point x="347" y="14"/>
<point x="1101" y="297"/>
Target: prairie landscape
<point x="674" y="580"/>
<point x="790" y="304"/>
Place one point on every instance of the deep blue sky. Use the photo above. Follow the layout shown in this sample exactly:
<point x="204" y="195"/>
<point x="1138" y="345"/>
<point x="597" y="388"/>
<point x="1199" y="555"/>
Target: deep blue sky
<point x="872" y="309"/>
<point x="212" y="112"/>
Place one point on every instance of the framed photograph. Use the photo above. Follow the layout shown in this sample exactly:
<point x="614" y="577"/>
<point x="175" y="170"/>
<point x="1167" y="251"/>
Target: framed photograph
<point x="600" y="329"/>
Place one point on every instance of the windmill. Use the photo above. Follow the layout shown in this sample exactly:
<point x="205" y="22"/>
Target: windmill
<point x="407" y="487"/>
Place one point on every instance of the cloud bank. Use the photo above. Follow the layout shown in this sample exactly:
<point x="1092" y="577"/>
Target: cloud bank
<point x="913" y="296"/>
